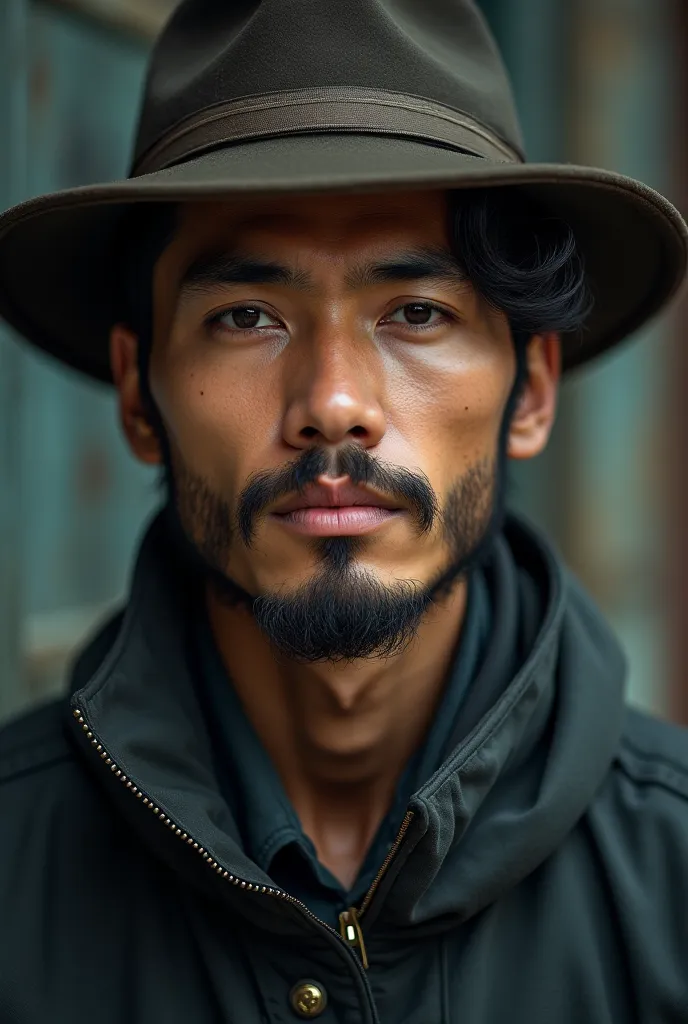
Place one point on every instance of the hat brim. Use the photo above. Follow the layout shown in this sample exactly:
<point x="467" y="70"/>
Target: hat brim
<point x="59" y="276"/>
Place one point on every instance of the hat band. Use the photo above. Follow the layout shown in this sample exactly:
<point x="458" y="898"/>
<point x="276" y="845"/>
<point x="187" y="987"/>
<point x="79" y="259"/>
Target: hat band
<point x="325" y="109"/>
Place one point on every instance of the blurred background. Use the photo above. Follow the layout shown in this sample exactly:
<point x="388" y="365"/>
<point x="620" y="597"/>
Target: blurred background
<point x="598" y="82"/>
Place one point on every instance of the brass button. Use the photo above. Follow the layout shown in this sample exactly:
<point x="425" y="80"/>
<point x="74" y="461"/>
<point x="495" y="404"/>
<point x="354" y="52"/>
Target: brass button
<point x="308" y="999"/>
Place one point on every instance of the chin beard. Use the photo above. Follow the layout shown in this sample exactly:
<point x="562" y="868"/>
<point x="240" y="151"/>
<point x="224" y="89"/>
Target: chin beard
<point x="344" y="612"/>
<point x="342" y="616"/>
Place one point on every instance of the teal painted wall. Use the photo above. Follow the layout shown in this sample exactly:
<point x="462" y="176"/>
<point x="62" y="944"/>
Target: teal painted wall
<point x="83" y="499"/>
<point x="84" y="93"/>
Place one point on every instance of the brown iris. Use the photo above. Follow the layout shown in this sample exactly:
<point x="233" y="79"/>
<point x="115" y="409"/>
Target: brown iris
<point x="245" y="316"/>
<point x="417" y="312"/>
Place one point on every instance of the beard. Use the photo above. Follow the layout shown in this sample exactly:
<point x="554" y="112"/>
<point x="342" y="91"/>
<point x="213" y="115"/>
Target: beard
<point x="343" y="612"/>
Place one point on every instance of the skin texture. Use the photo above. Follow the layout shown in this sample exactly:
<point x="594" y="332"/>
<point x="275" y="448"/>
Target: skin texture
<point x="331" y="367"/>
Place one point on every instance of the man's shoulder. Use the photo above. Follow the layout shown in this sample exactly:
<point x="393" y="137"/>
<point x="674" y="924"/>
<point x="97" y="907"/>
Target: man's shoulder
<point x="633" y="847"/>
<point x="34" y="742"/>
<point x="653" y="754"/>
<point x="48" y="800"/>
<point x="639" y="815"/>
<point x="38" y="740"/>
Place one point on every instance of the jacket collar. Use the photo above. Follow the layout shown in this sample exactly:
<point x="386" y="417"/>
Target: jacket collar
<point x="530" y="756"/>
<point x="529" y="752"/>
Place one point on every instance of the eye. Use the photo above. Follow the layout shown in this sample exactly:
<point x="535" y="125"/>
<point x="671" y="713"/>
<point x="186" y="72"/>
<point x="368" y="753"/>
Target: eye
<point x="243" y="319"/>
<point x="419" y="315"/>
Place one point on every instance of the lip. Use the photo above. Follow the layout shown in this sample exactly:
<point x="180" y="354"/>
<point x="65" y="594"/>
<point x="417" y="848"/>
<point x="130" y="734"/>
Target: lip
<point x="337" y="509"/>
<point x="343" y="521"/>
<point x="335" y="495"/>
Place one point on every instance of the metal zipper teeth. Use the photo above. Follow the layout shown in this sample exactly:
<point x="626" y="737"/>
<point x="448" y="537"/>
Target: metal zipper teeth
<point x="217" y="868"/>
<point x="184" y="836"/>
<point x="408" y="818"/>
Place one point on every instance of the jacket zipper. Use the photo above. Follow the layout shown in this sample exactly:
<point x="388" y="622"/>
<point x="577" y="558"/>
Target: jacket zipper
<point x="393" y="850"/>
<point x="349" y="919"/>
<point x="350" y="930"/>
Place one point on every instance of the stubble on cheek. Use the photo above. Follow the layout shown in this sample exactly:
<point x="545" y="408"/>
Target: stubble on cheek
<point x="205" y="517"/>
<point x="469" y="507"/>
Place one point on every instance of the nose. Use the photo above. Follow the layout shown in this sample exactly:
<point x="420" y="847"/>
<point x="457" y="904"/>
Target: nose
<point x="335" y="393"/>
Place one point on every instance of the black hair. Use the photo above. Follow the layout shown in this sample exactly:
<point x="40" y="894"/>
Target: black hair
<point x="523" y="261"/>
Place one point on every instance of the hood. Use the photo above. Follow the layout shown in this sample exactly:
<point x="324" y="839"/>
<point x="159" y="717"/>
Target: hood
<point x="532" y="744"/>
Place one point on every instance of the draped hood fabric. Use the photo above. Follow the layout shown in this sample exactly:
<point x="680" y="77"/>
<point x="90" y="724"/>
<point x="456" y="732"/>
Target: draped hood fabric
<point x="506" y="795"/>
<point x="270" y="830"/>
<point x="529" y="816"/>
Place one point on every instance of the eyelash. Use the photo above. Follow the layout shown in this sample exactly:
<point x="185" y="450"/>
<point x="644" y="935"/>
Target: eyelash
<point x="213" y="322"/>
<point x="215" y="319"/>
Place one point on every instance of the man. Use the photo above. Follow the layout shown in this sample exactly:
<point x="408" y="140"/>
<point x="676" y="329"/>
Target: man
<point x="356" y="748"/>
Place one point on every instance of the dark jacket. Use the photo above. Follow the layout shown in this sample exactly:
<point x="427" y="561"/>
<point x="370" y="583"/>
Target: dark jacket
<point x="541" y="877"/>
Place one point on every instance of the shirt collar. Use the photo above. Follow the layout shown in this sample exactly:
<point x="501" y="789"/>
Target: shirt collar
<point x="248" y="779"/>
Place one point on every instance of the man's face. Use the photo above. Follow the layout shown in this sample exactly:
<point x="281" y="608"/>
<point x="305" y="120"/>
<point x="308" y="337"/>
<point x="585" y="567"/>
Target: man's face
<point x="323" y="351"/>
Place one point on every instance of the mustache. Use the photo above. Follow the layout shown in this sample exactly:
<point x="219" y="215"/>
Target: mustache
<point x="264" y="489"/>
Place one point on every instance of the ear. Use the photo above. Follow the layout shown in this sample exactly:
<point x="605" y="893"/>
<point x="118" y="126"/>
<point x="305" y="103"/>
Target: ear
<point x="125" y="371"/>
<point x="533" y="419"/>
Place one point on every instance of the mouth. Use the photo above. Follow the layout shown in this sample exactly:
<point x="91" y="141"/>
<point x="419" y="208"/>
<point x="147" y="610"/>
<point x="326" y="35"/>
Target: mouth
<point x="331" y="510"/>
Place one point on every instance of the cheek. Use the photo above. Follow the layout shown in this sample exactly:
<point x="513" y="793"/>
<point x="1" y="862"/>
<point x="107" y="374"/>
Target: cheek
<point x="452" y="414"/>
<point x="214" y="422"/>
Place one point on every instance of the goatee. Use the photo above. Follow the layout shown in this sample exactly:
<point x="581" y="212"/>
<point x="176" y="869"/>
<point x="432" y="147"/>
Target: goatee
<point x="343" y="612"/>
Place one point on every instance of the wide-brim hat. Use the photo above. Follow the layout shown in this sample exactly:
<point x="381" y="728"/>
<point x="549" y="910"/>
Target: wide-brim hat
<point x="267" y="97"/>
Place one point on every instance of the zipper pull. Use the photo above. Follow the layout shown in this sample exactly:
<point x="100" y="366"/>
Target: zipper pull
<point x="350" y="929"/>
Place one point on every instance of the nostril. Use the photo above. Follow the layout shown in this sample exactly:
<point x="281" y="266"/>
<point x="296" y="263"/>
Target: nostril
<point x="358" y="431"/>
<point x="309" y="432"/>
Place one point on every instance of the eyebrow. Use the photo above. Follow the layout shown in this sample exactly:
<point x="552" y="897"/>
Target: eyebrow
<point x="425" y="263"/>
<point x="234" y="268"/>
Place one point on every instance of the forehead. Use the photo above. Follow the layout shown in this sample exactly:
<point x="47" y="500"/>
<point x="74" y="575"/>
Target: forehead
<point x="325" y="221"/>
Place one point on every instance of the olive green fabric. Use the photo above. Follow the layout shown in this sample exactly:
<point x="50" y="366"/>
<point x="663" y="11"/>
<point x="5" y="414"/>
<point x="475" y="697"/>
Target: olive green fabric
<point x="542" y="877"/>
<point x="268" y="824"/>
<point x="263" y="96"/>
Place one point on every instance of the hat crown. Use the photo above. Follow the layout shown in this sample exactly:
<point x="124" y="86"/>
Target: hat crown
<point x="216" y="51"/>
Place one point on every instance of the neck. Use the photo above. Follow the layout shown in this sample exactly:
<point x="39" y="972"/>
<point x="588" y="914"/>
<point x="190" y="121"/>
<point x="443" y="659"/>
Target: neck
<point x="340" y="735"/>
